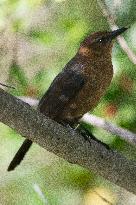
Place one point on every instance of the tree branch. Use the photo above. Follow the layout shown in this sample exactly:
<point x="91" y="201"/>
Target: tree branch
<point x="67" y="143"/>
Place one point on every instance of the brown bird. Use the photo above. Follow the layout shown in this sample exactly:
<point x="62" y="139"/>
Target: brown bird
<point x="79" y="87"/>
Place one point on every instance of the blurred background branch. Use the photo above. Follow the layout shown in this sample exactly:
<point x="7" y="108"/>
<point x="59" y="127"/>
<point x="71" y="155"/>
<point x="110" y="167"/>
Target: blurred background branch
<point x="108" y="126"/>
<point x="113" y="26"/>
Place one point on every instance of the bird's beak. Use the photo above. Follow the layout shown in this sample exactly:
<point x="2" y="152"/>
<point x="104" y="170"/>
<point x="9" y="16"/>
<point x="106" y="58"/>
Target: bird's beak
<point x="114" y="34"/>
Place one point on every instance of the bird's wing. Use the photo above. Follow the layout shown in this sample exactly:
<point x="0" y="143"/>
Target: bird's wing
<point x="64" y="87"/>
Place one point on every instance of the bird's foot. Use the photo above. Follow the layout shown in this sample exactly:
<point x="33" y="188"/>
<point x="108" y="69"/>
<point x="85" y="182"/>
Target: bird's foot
<point x="88" y="136"/>
<point x="68" y="126"/>
<point x="85" y="133"/>
<point x="71" y="126"/>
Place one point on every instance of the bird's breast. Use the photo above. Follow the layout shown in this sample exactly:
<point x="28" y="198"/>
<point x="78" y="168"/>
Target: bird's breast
<point x="97" y="80"/>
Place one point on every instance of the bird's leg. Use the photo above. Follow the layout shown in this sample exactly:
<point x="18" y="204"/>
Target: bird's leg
<point x="71" y="126"/>
<point x="84" y="132"/>
<point x="67" y="125"/>
<point x="77" y="126"/>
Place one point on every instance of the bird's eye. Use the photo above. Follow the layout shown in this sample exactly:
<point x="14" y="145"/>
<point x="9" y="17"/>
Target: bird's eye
<point x="99" y="40"/>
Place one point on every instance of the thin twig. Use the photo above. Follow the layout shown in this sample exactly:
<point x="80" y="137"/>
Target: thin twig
<point x="8" y="86"/>
<point x="111" y="20"/>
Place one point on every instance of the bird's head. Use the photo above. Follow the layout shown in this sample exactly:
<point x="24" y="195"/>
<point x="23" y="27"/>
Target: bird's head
<point x="100" y="42"/>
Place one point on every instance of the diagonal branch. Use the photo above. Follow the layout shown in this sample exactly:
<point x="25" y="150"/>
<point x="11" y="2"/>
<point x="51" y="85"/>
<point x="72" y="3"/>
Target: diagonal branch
<point x="111" y="20"/>
<point x="67" y="143"/>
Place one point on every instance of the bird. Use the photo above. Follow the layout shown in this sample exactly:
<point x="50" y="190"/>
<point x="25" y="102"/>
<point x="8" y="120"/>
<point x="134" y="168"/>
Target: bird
<point x="78" y="88"/>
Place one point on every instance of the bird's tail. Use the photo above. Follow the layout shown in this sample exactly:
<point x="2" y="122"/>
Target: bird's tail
<point x="20" y="154"/>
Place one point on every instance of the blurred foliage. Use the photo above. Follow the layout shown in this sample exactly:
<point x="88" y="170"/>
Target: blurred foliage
<point x="37" y="38"/>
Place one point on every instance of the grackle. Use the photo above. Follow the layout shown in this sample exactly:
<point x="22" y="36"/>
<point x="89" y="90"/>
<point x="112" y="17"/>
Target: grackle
<point x="78" y="88"/>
